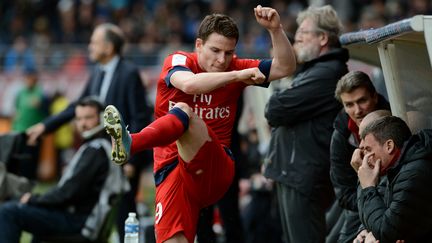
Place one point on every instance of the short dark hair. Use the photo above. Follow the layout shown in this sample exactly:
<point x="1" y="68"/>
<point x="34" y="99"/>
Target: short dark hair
<point x="114" y="35"/>
<point x="92" y="102"/>
<point x="388" y="127"/>
<point x="220" y="24"/>
<point x="353" y="80"/>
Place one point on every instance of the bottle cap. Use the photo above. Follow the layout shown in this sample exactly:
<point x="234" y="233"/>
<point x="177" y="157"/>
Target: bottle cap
<point x="131" y="214"/>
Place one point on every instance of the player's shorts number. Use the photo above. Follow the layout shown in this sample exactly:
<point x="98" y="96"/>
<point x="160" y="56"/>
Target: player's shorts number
<point x="158" y="213"/>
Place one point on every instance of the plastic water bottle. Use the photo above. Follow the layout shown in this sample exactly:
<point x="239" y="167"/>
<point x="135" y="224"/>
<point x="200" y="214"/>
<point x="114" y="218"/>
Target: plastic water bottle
<point x="131" y="229"/>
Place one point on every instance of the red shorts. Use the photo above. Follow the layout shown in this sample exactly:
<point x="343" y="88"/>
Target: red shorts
<point x="190" y="187"/>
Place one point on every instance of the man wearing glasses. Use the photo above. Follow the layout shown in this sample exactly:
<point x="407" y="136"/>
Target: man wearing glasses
<point x="301" y="118"/>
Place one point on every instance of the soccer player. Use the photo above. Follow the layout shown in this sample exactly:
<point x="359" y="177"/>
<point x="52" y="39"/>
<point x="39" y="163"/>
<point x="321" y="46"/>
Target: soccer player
<point x="195" y="108"/>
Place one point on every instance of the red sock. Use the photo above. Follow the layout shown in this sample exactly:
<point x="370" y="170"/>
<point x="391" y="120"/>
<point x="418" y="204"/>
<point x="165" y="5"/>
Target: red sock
<point x="163" y="131"/>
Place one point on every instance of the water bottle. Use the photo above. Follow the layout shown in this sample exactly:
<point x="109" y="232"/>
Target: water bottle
<point x="131" y="229"/>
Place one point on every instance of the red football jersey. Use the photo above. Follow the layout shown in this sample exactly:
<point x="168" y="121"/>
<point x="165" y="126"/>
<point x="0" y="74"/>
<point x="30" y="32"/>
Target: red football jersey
<point x="217" y="108"/>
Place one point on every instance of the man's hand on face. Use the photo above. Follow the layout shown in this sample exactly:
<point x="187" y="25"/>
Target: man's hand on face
<point x="356" y="159"/>
<point x="368" y="172"/>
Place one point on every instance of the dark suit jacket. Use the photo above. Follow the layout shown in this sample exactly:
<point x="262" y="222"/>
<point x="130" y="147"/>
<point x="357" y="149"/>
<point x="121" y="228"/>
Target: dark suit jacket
<point x="126" y="93"/>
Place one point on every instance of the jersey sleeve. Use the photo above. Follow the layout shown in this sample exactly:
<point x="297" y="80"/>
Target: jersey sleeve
<point x="264" y="66"/>
<point x="173" y="63"/>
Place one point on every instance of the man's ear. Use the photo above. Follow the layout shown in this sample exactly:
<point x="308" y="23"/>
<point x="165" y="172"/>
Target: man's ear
<point x="109" y="49"/>
<point x="198" y="43"/>
<point x="324" y="39"/>
<point x="390" y="146"/>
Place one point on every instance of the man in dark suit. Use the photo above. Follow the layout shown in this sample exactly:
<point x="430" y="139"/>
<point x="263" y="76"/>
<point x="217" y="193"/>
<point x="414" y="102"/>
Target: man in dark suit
<point x="114" y="81"/>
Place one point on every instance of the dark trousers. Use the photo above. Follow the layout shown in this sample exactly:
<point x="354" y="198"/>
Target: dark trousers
<point x="261" y="218"/>
<point x="230" y="215"/>
<point x="334" y="219"/>
<point x="16" y="217"/>
<point x="350" y="226"/>
<point x="303" y="219"/>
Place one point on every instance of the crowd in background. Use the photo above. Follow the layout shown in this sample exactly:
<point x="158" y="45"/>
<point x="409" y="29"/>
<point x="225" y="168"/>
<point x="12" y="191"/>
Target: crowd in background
<point x="51" y="36"/>
<point x="154" y="27"/>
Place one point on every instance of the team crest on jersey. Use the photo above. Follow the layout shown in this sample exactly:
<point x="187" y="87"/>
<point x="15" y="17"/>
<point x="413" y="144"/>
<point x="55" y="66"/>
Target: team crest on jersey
<point x="178" y="59"/>
<point x="158" y="213"/>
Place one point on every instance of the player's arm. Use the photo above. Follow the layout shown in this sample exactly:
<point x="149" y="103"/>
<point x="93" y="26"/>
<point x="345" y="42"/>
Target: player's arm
<point x="191" y="83"/>
<point x="284" y="63"/>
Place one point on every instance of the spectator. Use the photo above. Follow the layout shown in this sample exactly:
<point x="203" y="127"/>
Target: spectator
<point x="64" y="135"/>
<point x="404" y="160"/>
<point x="301" y="118"/>
<point x="64" y="208"/>
<point x="31" y="107"/>
<point x="259" y="210"/>
<point x="19" y="57"/>
<point x="358" y="96"/>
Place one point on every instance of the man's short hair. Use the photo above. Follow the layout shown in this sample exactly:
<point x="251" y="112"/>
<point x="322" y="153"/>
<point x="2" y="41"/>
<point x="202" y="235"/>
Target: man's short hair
<point x="388" y="127"/>
<point x="326" y="20"/>
<point x="351" y="81"/>
<point x="92" y="102"/>
<point x="220" y="24"/>
<point x="114" y="35"/>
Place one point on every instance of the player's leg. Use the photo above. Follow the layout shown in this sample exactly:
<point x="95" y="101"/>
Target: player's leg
<point x="207" y="166"/>
<point x="175" y="192"/>
<point x="121" y="139"/>
<point x="202" y="175"/>
<point x="163" y="131"/>
<point x="194" y="137"/>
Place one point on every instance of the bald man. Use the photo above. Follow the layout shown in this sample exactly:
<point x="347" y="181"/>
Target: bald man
<point x="357" y="157"/>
